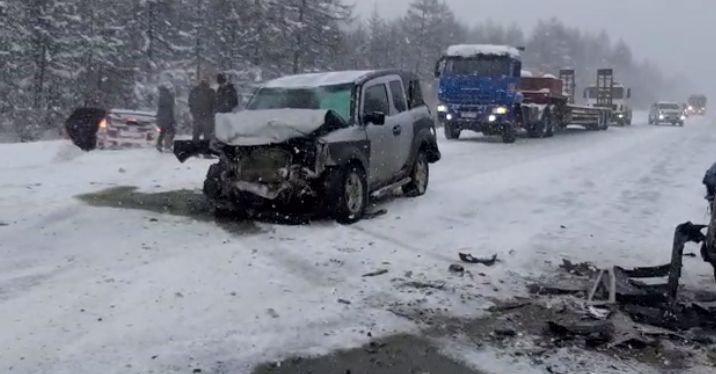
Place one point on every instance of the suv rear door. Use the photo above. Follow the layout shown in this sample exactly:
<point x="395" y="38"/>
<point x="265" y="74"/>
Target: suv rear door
<point x="375" y="98"/>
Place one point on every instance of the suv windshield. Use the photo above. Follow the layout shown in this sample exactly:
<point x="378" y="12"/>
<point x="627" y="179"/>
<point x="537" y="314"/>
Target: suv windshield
<point x="336" y="98"/>
<point x="488" y="66"/>
<point x="669" y="106"/>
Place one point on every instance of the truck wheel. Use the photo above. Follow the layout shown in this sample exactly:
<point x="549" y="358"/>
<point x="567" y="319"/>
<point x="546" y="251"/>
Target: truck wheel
<point x="509" y="134"/>
<point x="549" y="123"/>
<point x="537" y="130"/>
<point x="451" y="132"/>
<point x="605" y="122"/>
<point x="419" y="177"/>
<point x="347" y="190"/>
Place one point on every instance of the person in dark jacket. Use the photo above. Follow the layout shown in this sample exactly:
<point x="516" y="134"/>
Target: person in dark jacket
<point x="226" y="97"/>
<point x="165" y="119"/>
<point x="202" y="103"/>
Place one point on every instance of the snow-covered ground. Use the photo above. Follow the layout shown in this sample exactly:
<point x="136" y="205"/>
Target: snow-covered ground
<point x="87" y="289"/>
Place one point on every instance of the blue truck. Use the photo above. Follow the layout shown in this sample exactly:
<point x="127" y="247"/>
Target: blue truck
<point x="482" y="88"/>
<point x="478" y="90"/>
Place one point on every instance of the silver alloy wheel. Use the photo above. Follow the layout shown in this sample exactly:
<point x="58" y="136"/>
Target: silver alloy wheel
<point x="421" y="175"/>
<point x="354" y="193"/>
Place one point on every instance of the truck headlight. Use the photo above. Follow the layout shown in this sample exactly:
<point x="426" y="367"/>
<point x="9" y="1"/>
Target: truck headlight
<point x="661" y="116"/>
<point x="492" y="118"/>
<point x="442" y="108"/>
<point x="621" y="115"/>
<point x="691" y="107"/>
<point x="683" y="117"/>
<point x="500" y="110"/>
<point x="448" y="117"/>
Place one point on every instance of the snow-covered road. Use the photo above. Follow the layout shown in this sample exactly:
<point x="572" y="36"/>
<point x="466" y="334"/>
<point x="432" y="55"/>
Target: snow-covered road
<point x="89" y="289"/>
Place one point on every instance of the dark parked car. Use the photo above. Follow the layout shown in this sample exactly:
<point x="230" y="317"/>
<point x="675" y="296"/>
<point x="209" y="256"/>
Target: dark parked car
<point x="332" y="139"/>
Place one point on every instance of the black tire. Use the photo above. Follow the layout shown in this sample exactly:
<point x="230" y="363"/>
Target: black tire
<point x="544" y="128"/>
<point x="344" y="186"/>
<point x="537" y="130"/>
<point x="419" y="176"/>
<point x="451" y="132"/>
<point x="547" y="118"/>
<point x="605" y="122"/>
<point x="509" y="134"/>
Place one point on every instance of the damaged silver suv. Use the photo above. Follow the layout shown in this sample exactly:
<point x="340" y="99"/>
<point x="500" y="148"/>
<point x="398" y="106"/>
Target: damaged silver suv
<point x="328" y="139"/>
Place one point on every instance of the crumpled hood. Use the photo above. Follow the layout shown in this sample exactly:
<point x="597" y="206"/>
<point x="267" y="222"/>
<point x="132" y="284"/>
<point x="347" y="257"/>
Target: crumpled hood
<point x="263" y="127"/>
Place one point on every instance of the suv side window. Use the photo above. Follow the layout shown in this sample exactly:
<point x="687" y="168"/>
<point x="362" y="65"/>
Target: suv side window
<point x="398" y="94"/>
<point x="415" y="94"/>
<point x="376" y="99"/>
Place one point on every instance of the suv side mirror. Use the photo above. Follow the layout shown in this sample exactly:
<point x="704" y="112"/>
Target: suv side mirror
<point x="585" y="94"/>
<point x="376" y="118"/>
<point x="629" y="93"/>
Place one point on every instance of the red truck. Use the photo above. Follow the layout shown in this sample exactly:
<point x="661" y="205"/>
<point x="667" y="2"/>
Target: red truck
<point x="552" y="102"/>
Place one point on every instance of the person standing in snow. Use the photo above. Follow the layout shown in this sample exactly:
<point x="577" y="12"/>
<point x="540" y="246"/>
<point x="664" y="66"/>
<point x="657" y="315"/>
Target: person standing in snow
<point x="165" y="118"/>
<point x="202" y="102"/>
<point x="226" y="97"/>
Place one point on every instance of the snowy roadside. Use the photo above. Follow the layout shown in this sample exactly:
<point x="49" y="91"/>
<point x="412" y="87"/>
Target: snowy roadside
<point x="92" y="289"/>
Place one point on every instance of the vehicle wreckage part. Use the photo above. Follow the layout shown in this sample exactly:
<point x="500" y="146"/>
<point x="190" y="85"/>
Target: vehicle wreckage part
<point x="622" y="286"/>
<point x="385" y="190"/>
<point x="470" y="259"/>
<point x="186" y="149"/>
<point x="82" y="127"/>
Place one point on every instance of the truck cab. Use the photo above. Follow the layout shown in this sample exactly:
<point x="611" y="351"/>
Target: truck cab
<point x="621" y="110"/>
<point x="478" y="90"/>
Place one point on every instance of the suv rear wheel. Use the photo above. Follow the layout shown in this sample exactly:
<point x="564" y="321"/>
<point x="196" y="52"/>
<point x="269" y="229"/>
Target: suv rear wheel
<point x="347" y="194"/>
<point x="419" y="177"/>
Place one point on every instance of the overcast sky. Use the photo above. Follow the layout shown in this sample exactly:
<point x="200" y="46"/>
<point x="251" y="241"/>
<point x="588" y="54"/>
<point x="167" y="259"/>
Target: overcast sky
<point x="677" y="35"/>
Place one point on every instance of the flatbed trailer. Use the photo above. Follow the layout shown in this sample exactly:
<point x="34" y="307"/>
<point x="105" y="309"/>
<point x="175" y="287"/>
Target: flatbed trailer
<point x="553" y="99"/>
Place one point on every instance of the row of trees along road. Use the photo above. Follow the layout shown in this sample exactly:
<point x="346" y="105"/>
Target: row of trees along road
<point x="56" y="55"/>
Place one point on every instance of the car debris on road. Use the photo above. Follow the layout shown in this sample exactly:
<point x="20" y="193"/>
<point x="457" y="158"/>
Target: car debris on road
<point x="470" y="259"/>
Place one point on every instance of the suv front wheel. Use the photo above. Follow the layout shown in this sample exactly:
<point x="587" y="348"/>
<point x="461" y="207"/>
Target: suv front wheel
<point x="419" y="177"/>
<point x="347" y="191"/>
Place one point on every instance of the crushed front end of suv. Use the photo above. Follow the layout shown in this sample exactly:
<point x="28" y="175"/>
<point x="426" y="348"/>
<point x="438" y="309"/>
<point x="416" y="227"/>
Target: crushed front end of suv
<point x="328" y="140"/>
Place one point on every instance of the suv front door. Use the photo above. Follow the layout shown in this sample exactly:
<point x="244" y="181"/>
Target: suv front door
<point x="404" y="125"/>
<point x="375" y="99"/>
